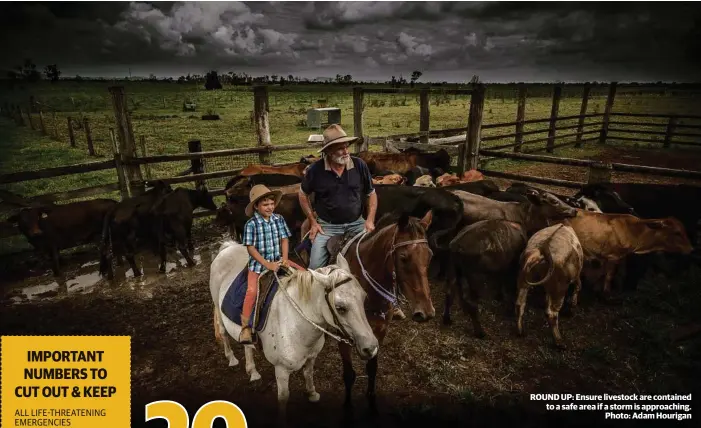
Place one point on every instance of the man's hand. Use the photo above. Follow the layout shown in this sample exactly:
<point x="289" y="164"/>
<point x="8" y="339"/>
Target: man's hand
<point x="315" y="228"/>
<point x="369" y="225"/>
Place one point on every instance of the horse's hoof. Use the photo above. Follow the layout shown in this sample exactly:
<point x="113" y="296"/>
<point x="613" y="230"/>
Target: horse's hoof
<point x="233" y="362"/>
<point x="255" y="376"/>
<point x="314" y="397"/>
<point x="447" y="321"/>
<point x="480" y="334"/>
<point x="560" y="346"/>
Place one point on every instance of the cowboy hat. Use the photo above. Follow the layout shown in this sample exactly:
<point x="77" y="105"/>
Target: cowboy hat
<point x="258" y="192"/>
<point x="334" y="134"/>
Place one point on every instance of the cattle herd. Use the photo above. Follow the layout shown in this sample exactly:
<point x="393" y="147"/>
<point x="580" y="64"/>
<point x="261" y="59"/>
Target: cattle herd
<point x="519" y="237"/>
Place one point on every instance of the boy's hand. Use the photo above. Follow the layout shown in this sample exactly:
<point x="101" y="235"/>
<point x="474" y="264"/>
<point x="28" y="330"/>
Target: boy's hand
<point x="283" y="262"/>
<point x="273" y="266"/>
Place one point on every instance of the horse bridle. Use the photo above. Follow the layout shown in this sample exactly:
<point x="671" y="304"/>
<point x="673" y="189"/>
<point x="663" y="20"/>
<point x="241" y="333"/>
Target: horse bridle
<point x="345" y="336"/>
<point x="391" y="297"/>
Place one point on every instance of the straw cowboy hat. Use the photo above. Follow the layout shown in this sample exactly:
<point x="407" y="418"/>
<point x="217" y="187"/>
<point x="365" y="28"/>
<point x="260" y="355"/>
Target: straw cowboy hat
<point x="259" y="191"/>
<point x="334" y="134"/>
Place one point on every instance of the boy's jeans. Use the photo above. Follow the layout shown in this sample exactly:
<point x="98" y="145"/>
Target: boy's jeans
<point x="320" y="255"/>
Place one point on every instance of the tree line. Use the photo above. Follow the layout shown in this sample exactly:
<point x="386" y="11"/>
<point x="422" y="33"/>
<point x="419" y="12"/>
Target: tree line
<point x="29" y="73"/>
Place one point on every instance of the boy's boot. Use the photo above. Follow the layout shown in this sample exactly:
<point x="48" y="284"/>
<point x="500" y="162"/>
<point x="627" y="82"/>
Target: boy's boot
<point x="245" y="336"/>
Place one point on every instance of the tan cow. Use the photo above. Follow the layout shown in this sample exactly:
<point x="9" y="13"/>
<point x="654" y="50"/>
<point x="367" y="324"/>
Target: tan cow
<point x="555" y="255"/>
<point x="609" y="238"/>
<point x="389" y="179"/>
<point x="425" y="181"/>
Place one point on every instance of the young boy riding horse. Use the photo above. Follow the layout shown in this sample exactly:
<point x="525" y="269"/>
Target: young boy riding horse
<point x="339" y="183"/>
<point x="266" y="236"/>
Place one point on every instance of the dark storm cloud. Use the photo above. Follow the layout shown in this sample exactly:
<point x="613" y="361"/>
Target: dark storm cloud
<point x="444" y="40"/>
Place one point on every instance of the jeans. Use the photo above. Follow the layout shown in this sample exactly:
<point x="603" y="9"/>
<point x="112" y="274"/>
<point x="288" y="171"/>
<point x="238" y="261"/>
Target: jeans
<point x="320" y="255"/>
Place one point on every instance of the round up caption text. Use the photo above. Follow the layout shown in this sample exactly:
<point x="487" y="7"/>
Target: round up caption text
<point x="622" y="406"/>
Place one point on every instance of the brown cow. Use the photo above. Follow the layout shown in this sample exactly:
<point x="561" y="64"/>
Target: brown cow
<point x="536" y="214"/>
<point x="452" y="179"/>
<point x="609" y="238"/>
<point x="471" y="175"/>
<point x="447" y="179"/>
<point x="231" y="214"/>
<point x="555" y="255"/>
<point x="402" y="162"/>
<point x="55" y="227"/>
<point x="296" y="168"/>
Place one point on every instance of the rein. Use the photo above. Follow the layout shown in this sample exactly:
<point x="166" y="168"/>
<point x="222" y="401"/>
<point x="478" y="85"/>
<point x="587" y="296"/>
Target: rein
<point x="346" y="337"/>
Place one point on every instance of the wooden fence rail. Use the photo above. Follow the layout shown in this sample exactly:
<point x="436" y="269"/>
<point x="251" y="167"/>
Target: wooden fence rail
<point x="465" y="145"/>
<point x="666" y="172"/>
<point x="16" y="177"/>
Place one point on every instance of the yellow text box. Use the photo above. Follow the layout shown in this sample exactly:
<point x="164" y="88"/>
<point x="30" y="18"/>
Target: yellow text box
<point x="69" y="381"/>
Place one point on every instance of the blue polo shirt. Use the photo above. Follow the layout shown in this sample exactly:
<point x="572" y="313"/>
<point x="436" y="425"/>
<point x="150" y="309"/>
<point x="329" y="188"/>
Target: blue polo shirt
<point x="338" y="199"/>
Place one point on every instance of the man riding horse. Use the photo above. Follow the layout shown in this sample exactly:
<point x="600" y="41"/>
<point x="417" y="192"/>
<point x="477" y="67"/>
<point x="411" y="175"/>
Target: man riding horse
<point x="339" y="183"/>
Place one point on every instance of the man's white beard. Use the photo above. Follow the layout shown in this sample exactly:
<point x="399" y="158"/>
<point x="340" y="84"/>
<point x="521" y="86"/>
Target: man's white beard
<point x="340" y="160"/>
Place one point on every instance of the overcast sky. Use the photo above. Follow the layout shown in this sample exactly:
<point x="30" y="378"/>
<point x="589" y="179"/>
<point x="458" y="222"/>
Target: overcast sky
<point x="499" y="41"/>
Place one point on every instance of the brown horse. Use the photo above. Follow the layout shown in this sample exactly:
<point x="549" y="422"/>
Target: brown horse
<point x="394" y="259"/>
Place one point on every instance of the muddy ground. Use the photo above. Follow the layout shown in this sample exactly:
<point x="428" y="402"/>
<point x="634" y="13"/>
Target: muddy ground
<point x="427" y="372"/>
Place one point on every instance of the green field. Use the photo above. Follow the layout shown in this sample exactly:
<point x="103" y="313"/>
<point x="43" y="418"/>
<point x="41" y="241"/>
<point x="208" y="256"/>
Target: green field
<point x="157" y="114"/>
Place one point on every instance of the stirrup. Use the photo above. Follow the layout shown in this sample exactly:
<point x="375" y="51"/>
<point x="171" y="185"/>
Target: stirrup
<point x="246" y="342"/>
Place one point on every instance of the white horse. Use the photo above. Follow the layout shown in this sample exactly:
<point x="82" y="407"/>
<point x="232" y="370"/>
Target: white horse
<point x="306" y="305"/>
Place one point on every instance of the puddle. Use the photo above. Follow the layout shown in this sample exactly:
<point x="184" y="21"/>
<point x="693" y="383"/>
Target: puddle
<point x="86" y="279"/>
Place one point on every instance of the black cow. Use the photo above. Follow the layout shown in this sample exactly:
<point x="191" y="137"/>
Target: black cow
<point x="52" y="228"/>
<point x="130" y="219"/>
<point x="416" y="202"/>
<point x="517" y="189"/>
<point x="174" y="215"/>
<point x="413" y="174"/>
<point x="485" y="248"/>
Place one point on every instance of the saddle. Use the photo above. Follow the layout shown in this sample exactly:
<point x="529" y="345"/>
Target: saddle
<point x="336" y="243"/>
<point x="265" y="285"/>
<point x="232" y="304"/>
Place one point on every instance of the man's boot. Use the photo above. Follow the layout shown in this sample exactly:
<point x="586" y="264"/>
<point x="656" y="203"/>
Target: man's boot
<point x="397" y="313"/>
<point x="245" y="336"/>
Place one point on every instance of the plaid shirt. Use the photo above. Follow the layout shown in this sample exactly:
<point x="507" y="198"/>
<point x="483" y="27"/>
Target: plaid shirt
<point x="265" y="235"/>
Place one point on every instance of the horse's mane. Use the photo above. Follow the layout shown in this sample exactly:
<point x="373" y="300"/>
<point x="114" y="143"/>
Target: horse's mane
<point x="305" y="280"/>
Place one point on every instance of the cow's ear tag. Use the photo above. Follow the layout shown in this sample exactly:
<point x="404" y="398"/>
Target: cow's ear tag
<point x="44" y="215"/>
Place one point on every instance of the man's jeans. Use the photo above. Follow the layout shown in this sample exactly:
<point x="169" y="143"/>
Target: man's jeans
<point x="319" y="254"/>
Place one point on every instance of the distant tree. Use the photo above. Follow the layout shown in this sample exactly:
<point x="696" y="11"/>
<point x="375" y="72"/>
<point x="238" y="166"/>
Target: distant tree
<point x="152" y="77"/>
<point x="28" y="72"/>
<point x="282" y="81"/>
<point x="212" y="81"/>
<point x="415" y="75"/>
<point x="52" y="72"/>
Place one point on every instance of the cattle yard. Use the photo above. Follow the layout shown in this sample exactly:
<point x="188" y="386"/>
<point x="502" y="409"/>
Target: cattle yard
<point x="633" y="345"/>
